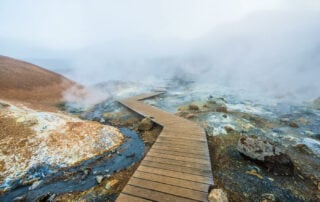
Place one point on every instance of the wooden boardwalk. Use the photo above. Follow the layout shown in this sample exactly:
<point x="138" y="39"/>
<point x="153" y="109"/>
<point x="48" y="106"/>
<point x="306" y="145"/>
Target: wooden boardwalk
<point x="177" y="167"/>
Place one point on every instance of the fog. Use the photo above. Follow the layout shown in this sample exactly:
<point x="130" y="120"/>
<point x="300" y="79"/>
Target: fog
<point x="266" y="46"/>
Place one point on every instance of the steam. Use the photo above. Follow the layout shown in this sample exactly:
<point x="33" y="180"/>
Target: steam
<point x="272" y="47"/>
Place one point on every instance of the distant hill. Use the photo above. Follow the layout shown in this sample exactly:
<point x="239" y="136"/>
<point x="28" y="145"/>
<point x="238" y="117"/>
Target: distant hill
<point x="30" y="84"/>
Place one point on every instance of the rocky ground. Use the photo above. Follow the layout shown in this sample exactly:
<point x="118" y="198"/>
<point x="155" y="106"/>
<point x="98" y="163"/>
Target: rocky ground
<point x="110" y="112"/>
<point x="31" y="138"/>
<point x="259" y="152"/>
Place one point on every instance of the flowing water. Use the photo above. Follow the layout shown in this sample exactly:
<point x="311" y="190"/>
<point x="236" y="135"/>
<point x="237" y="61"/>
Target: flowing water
<point x="82" y="176"/>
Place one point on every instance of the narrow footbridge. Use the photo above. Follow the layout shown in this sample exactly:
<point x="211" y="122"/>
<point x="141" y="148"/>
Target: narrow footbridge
<point x="177" y="167"/>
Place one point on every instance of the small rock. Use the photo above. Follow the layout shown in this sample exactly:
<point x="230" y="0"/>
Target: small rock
<point x="229" y="129"/>
<point x="51" y="198"/>
<point x="145" y="124"/>
<point x="319" y="185"/>
<point x="21" y="119"/>
<point x="316" y="136"/>
<point x="35" y="185"/>
<point x="194" y="107"/>
<point x="293" y="125"/>
<point x="284" y="120"/>
<point x="222" y="109"/>
<point x="48" y="197"/>
<point x="213" y="102"/>
<point x="303" y="148"/>
<point x="86" y="173"/>
<point x="20" y="198"/>
<point x="190" y="116"/>
<point x="99" y="178"/>
<point x="217" y="195"/>
<point x="4" y="105"/>
<point x="254" y="173"/>
<point x="102" y="120"/>
<point x="268" y="198"/>
<point x="224" y="116"/>
<point x="111" y="183"/>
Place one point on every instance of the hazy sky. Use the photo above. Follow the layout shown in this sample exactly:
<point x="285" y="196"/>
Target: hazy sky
<point x="73" y="24"/>
<point x="272" y="44"/>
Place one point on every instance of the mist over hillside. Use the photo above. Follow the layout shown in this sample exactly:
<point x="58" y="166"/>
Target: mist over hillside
<point x="270" y="46"/>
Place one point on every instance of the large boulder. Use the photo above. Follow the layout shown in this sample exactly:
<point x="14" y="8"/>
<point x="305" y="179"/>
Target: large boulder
<point x="267" y="154"/>
<point x="145" y="124"/>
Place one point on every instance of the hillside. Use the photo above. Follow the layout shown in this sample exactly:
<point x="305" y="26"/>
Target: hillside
<point x="30" y="84"/>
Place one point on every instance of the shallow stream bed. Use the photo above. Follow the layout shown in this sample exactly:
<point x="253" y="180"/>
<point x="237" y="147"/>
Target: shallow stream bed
<point x="82" y="176"/>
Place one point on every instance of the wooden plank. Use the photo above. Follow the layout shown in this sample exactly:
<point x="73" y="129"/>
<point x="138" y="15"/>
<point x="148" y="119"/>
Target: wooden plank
<point x="169" y="173"/>
<point x="180" y="140"/>
<point x="179" y="158"/>
<point x="191" y="148"/>
<point x="126" y="198"/>
<point x="181" y="153"/>
<point x="172" y="181"/>
<point x="175" y="162"/>
<point x="187" y="138"/>
<point x="181" y="143"/>
<point x="169" y="189"/>
<point x="151" y="194"/>
<point x="203" y="152"/>
<point x="177" y="168"/>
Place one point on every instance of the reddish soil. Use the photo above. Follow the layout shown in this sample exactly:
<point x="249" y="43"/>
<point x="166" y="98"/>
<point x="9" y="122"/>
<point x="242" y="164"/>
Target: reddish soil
<point x="31" y="85"/>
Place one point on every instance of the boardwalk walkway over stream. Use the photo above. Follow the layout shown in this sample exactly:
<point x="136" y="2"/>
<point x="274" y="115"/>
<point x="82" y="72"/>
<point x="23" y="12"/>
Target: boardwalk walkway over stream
<point x="177" y="167"/>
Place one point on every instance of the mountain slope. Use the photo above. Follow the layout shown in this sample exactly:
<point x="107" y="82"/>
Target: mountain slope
<point x="30" y="84"/>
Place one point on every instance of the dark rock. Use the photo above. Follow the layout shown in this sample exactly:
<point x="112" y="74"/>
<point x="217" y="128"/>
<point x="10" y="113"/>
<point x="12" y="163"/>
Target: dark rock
<point x="49" y="197"/>
<point x="145" y="124"/>
<point x="293" y="125"/>
<point x="266" y="154"/>
<point x="222" y="109"/>
<point x="316" y="136"/>
<point x="194" y="107"/>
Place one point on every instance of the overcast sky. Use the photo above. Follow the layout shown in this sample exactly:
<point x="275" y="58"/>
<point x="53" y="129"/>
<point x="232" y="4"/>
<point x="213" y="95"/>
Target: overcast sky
<point x="73" y="24"/>
<point x="275" y="43"/>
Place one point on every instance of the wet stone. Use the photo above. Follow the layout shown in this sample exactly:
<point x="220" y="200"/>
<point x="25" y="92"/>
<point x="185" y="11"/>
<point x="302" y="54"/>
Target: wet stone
<point x="20" y="198"/>
<point x="99" y="178"/>
<point x="35" y="185"/>
<point x="268" y="197"/>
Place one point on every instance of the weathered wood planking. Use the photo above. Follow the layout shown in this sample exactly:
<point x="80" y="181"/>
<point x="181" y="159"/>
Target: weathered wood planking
<point x="177" y="167"/>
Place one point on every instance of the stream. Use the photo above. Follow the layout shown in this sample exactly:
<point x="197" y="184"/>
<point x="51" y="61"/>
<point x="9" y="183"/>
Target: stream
<point x="80" y="177"/>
